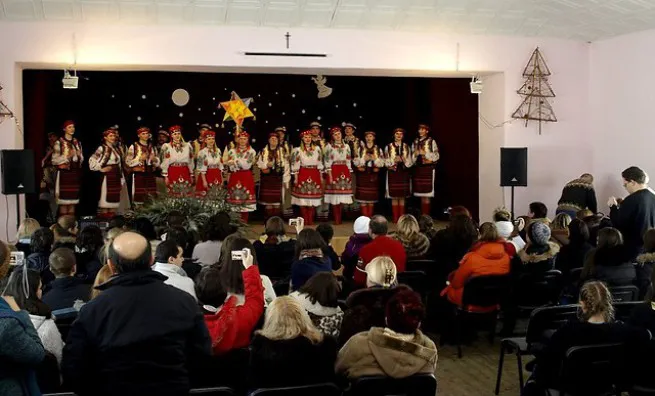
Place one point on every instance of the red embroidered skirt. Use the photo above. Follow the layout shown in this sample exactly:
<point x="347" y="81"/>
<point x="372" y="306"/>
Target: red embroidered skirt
<point x="113" y="179"/>
<point x="341" y="183"/>
<point x="270" y="189"/>
<point x="214" y="179"/>
<point x="143" y="184"/>
<point x="179" y="180"/>
<point x="367" y="190"/>
<point x="241" y="188"/>
<point x="398" y="183"/>
<point x="423" y="180"/>
<point x="308" y="184"/>
<point x="69" y="184"/>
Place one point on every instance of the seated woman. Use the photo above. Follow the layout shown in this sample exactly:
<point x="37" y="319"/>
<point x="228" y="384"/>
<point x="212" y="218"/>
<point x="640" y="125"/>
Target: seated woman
<point x="408" y="233"/>
<point x="609" y="261"/>
<point x="88" y="249"/>
<point x="452" y="243"/>
<point x="596" y="326"/>
<point x="309" y="258"/>
<point x="24" y="234"/>
<point x="275" y="249"/>
<point x="232" y="272"/>
<point x="487" y="257"/>
<point x="559" y="229"/>
<point x="645" y="262"/>
<point x="216" y="230"/>
<point x="357" y="240"/>
<point x="290" y="350"/>
<point x="538" y="255"/>
<point x="572" y="255"/>
<point x="319" y="297"/>
<point x="398" y="350"/>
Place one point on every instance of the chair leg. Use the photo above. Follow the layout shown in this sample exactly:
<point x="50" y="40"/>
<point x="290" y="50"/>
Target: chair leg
<point x="458" y="334"/>
<point x="492" y="331"/>
<point x="501" y="360"/>
<point x="519" y="362"/>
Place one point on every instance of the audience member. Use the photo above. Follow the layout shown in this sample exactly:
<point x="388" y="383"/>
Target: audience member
<point x="636" y="212"/>
<point x="168" y="262"/>
<point x="572" y="256"/>
<point x="88" y="252"/>
<point x="275" y="250"/>
<point x="290" y="350"/>
<point x="319" y="297"/>
<point x="458" y="211"/>
<point x="326" y="232"/>
<point x="426" y="226"/>
<point x="539" y="253"/>
<point x="643" y="317"/>
<point x="118" y="222"/>
<point x="538" y="212"/>
<point x="144" y="226"/>
<point x="66" y="288"/>
<point x="233" y="320"/>
<point x="453" y="242"/>
<point x="645" y="263"/>
<point x="25" y="287"/>
<point x="609" y="262"/>
<point x="232" y="273"/>
<point x="309" y="258"/>
<point x="578" y="194"/>
<point x="139" y="335"/>
<point x="487" y="257"/>
<point x="409" y="235"/>
<point x="398" y="350"/>
<point x="24" y="234"/>
<point x="41" y="246"/>
<point x="105" y="273"/>
<point x="65" y="231"/>
<point x="182" y="238"/>
<point x="216" y="230"/>
<point x="357" y="240"/>
<point x="382" y="245"/>
<point x="583" y="213"/>
<point x="509" y="230"/>
<point x="559" y="229"/>
<point x="596" y="223"/>
<point x="5" y="264"/>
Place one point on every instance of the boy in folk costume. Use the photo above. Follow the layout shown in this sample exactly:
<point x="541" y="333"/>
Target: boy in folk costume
<point x="307" y="166"/>
<point x="107" y="160"/>
<point x="275" y="176"/>
<point x="338" y="160"/>
<point x="209" y="164"/>
<point x="67" y="157"/>
<point x="368" y="160"/>
<point x="177" y="163"/>
<point x="426" y="155"/>
<point x="354" y="143"/>
<point x="142" y="161"/>
<point x="287" y="208"/>
<point x="241" y="185"/>
<point x="399" y="159"/>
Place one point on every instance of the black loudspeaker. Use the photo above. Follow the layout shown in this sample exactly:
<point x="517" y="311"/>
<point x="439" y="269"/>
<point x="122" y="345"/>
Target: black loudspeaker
<point x="17" y="171"/>
<point x="514" y="167"/>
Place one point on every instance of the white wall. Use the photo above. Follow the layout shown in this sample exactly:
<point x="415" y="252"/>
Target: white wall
<point x="551" y="160"/>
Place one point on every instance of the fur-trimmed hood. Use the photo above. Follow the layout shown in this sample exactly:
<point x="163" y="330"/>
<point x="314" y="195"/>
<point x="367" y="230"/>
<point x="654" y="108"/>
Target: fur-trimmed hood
<point x="549" y="254"/>
<point x="415" y="246"/>
<point x="646" y="258"/>
<point x="314" y="308"/>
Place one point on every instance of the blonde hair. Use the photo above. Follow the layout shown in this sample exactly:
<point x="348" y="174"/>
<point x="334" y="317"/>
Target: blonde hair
<point x="67" y="222"/>
<point x="407" y="226"/>
<point x="561" y="222"/>
<point x="381" y="271"/>
<point x="597" y="300"/>
<point x="103" y="276"/>
<point x="286" y="319"/>
<point x="489" y="232"/>
<point x="27" y="228"/>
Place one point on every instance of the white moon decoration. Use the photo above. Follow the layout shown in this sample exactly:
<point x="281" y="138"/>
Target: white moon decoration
<point x="180" y="97"/>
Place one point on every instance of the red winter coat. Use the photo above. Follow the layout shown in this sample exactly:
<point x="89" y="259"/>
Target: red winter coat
<point x="380" y="246"/>
<point x="231" y="327"/>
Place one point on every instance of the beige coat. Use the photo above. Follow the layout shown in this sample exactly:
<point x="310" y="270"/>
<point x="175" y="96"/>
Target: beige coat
<point x="383" y="352"/>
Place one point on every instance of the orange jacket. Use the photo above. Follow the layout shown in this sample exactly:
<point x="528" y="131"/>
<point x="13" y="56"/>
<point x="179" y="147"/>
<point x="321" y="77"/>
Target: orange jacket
<point x="488" y="258"/>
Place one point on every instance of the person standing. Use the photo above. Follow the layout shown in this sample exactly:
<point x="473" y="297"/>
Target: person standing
<point x="307" y="166"/>
<point x="426" y="154"/>
<point x="398" y="161"/>
<point x="142" y="161"/>
<point x="241" y="184"/>
<point x="274" y="166"/>
<point x="338" y="161"/>
<point x="67" y="156"/>
<point x="108" y="160"/>
<point x="368" y="161"/>
<point x="578" y="194"/>
<point x="283" y="141"/>
<point x="635" y="213"/>
<point x="323" y="210"/>
<point x="209" y="164"/>
<point x="351" y="139"/>
<point x="177" y="163"/>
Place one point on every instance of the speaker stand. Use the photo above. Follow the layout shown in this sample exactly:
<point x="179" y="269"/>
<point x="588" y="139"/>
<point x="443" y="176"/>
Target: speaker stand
<point x="512" y="202"/>
<point x="17" y="212"/>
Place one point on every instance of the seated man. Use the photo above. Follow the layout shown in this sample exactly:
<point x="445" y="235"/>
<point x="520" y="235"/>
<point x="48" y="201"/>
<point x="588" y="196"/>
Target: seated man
<point x="66" y="288"/>
<point x="168" y="262"/>
<point x="139" y="335"/>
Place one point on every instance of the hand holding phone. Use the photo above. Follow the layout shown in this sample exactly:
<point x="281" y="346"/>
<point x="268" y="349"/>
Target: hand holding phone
<point x="244" y="255"/>
<point x="298" y="223"/>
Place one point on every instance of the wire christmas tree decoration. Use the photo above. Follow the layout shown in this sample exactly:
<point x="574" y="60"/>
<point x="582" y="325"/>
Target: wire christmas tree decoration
<point x="535" y="91"/>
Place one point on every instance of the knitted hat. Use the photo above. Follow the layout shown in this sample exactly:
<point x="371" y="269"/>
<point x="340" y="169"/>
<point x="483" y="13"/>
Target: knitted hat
<point x="504" y="228"/>
<point x="361" y="225"/>
<point x="539" y="233"/>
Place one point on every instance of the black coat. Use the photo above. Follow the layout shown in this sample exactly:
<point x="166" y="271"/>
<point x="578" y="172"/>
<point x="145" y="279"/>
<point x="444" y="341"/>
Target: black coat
<point x="64" y="291"/>
<point x="610" y="265"/>
<point x="39" y="262"/>
<point x="572" y="256"/>
<point x="644" y="268"/>
<point x="274" y="259"/>
<point x="292" y="362"/>
<point x="578" y="195"/>
<point x="87" y="266"/>
<point x="635" y="215"/>
<point x="138" y="337"/>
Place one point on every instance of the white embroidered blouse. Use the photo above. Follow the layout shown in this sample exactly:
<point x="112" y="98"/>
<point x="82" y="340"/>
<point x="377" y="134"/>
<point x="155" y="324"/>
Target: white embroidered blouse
<point x="238" y="159"/>
<point x="337" y="153"/>
<point x="104" y="156"/>
<point x="176" y="154"/>
<point x="303" y="157"/>
<point x="209" y="158"/>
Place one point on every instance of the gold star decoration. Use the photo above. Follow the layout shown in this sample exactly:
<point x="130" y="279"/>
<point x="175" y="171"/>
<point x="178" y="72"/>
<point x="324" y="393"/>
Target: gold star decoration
<point x="236" y="109"/>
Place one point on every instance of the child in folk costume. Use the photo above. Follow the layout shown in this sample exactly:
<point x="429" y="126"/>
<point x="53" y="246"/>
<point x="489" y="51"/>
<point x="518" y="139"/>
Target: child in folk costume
<point x="275" y="176"/>
<point x="287" y="208"/>
<point x="399" y="159"/>
<point x="142" y="161"/>
<point x="241" y="184"/>
<point x="107" y="159"/>
<point x="209" y="164"/>
<point x="368" y="160"/>
<point x="338" y="159"/>
<point x="307" y="166"/>
<point x="426" y="155"/>
<point x="67" y="157"/>
<point x="177" y="163"/>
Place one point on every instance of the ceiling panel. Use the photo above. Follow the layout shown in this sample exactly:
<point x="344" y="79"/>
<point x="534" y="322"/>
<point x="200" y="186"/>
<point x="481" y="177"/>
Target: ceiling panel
<point x="59" y="10"/>
<point x="19" y="9"/>
<point x="244" y="14"/>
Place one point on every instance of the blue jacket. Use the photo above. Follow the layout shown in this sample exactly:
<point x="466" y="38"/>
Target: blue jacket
<point x="302" y="270"/>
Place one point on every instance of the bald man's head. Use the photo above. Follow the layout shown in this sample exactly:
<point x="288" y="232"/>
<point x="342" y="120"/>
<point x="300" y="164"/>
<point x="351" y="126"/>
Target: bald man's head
<point x="378" y="226"/>
<point x="130" y="252"/>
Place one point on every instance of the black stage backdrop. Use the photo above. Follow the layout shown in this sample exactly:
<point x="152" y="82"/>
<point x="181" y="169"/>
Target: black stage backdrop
<point x="133" y="99"/>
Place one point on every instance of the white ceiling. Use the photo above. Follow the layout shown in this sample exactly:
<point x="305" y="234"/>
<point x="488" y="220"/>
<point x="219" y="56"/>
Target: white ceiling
<point x="587" y="20"/>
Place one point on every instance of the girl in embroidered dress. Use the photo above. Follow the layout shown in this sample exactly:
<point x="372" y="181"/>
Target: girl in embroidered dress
<point x="177" y="163"/>
<point x="398" y="161"/>
<point x="209" y="164"/>
<point x="67" y="157"/>
<point x="241" y="184"/>
<point x="107" y="159"/>
<point x="142" y="161"/>
<point x="275" y="175"/>
<point x="338" y="159"/>
<point x="368" y="160"/>
<point x="307" y="166"/>
<point x="426" y="155"/>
